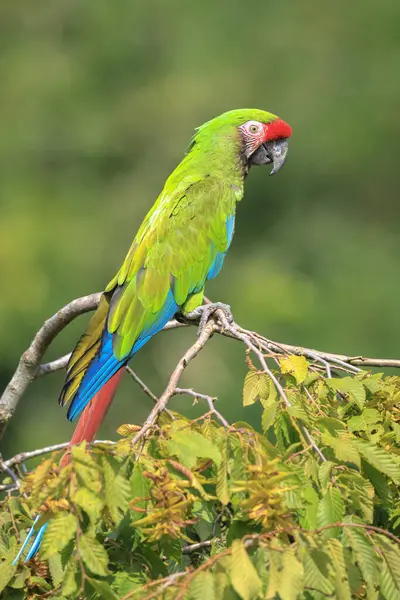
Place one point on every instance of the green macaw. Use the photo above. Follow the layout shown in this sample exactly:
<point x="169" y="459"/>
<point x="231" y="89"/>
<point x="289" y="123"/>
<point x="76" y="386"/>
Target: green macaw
<point x="181" y="244"/>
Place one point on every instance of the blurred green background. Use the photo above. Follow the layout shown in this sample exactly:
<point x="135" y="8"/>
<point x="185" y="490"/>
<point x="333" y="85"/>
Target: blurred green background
<point x="98" y="101"/>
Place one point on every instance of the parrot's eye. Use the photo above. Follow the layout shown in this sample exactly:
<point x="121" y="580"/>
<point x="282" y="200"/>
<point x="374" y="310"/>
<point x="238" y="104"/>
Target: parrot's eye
<point x="252" y="128"/>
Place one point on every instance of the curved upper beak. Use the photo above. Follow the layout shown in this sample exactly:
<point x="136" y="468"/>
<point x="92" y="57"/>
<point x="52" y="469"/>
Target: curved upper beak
<point x="277" y="152"/>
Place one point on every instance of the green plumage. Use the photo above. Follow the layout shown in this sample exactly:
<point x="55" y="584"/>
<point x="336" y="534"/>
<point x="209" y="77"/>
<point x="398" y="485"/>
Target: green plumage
<point x="176" y="245"/>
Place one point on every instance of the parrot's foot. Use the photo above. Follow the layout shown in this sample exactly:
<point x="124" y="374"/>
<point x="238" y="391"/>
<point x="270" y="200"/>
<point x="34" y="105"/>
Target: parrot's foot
<point x="205" y="311"/>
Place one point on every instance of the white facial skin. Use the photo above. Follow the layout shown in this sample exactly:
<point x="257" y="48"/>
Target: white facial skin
<point x="252" y="134"/>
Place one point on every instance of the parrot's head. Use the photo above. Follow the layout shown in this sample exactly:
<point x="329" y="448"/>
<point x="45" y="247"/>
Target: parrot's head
<point x="258" y="137"/>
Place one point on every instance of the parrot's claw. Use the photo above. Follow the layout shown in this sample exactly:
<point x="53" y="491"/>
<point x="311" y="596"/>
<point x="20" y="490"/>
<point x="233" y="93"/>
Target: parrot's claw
<point x="205" y="311"/>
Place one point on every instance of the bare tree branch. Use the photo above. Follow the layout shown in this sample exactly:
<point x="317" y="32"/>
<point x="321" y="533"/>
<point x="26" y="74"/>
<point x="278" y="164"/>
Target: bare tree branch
<point x="30" y="368"/>
<point x="30" y="360"/>
<point x="23" y="456"/>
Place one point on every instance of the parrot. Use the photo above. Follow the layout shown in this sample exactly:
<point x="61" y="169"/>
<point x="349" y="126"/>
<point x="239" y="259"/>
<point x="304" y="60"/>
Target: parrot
<point x="181" y="244"/>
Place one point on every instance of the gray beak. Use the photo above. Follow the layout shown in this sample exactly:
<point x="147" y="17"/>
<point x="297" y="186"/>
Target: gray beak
<point x="277" y="152"/>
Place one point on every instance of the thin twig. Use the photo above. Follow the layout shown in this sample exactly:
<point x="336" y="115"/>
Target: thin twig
<point x="208" y="399"/>
<point x="169" y="391"/>
<point x="194" y="547"/>
<point x="141" y="383"/>
<point x="23" y="456"/>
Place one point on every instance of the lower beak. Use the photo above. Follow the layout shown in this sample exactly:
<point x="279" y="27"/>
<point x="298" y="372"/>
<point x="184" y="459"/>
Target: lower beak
<point x="277" y="152"/>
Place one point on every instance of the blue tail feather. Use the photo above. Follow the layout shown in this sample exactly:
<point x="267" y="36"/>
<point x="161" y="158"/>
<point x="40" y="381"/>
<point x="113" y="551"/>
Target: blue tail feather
<point x="35" y="544"/>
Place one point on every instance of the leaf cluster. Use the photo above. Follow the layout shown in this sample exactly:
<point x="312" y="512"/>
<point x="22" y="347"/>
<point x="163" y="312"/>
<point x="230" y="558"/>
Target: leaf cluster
<point x="203" y="511"/>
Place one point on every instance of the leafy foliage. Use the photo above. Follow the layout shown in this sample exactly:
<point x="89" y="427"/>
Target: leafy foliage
<point x="202" y="511"/>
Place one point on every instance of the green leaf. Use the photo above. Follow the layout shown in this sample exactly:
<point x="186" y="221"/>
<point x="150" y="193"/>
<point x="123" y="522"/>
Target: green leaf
<point x="56" y="570"/>
<point x="390" y="569"/>
<point x="341" y="576"/>
<point x="380" y="459"/>
<point x="188" y="446"/>
<point x="244" y="577"/>
<point x="70" y="583"/>
<point x="325" y="473"/>
<point x="292" y="576"/>
<point x="103" y="589"/>
<point x="117" y="491"/>
<point x="364" y="553"/>
<point x="89" y="501"/>
<point x="7" y="571"/>
<point x="60" y="530"/>
<point x="257" y="385"/>
<point x="330" y="510"/>
<point x="350" y="386"/>
<point x="140" y="491"/>
<point x="296" y="366"/>
<point x="93" y="555"/>
<point x="345" y="449"/>
<point x="222" y="487"/>
<point x="20" y="578"/>
<point x="202" y="587"/>
<point x="123" y="583"/>
<point x="269" y="413"/>
<point x="316" y="571"/>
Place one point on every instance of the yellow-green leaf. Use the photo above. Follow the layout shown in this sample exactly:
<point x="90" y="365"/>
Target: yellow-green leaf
<point x="256" y="386"/>
<point x="296" y="366"/>
<point x="244" y="577"/>
<point x="202" y="587"/>
<point x="93" y="555"/>
<point x="222" y="476"/>
<point x="60" y="530"/>
<point x="330" y="510"/>
<point x="188" y="446"/>
<point x="350" y="386"/>
<point x="342" y="587"/>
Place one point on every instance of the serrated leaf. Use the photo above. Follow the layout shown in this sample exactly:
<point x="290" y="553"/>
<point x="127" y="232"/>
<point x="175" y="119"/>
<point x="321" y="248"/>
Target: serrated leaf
<point x="103" y="589"/>
<point x="330" y="510"/>
<point x="7" y="571"/>
<point x="20" y="578"/>
<point x="60" y="530"/>
<point x="124" y="583"/>
<point x="70" y="582"/>
<point x="127" y="429"/>
<point x="93" y="555"/>
<point x="364" y="553"/>
<point x="269" y="413"/>
<point x="292" y="576"/>
<point x="89" y="501"/>
<point x="86" y="467"/>
<point x="222" y="487"/>
<point x="188" y="446"/>
<point x="317" y="571"/>
<point x="117" y="491"/>
<point x="202" y="586"/>
<point x="256" y="386"/>
<point x="243" y="574"/>
<point x="325" y="473"/>
<point x="350" y="386"/>
<point x="390" y="569"/>
<point x="342" y="587"/>
<point x="345" y="449"/>
<point x="296" y="366"/>
<point x="56" y="570"/>
<point x="380" y="459"/>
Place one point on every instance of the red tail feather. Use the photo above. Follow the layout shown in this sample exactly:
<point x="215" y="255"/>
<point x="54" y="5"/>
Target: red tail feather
<point x="94" y="414"/>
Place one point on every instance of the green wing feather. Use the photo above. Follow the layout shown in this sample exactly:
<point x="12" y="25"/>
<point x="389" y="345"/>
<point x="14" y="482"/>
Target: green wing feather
<point x="173" y="250"/>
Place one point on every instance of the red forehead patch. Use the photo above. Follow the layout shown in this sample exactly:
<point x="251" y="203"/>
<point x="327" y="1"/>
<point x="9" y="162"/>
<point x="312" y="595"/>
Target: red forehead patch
<point x="276" y="130"/>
